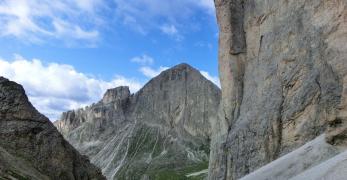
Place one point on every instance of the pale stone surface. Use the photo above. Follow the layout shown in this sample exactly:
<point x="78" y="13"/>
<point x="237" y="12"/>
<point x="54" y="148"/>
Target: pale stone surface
<point x="30" y="145"/>
<point x="311" y="154"/>
<point x="332" y="169"/>
<point x="283" y="86"/>
<point x="161" y="131"/>
<point x="316" y="160"/>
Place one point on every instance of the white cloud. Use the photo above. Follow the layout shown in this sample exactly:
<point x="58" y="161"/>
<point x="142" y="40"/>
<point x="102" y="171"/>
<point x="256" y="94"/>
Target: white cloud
<point x="89" y="5"/>
<point x="143" y="60"/>
<point x="36" y="20"/>
<point x="213" y="79"/>
<point x="54" y="88"/>
<point x="65" y="29"/>
<point x="146" y="15"/>
<point x="150" y="72"/>
<point x="169" y="29"/>
<point x="172" y="31"/>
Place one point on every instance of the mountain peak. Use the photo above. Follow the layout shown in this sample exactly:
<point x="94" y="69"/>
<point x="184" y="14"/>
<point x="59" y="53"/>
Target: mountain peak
<point x="169" y="117"/>
<point x="178" y="72"/>
<point x="182" y="65"/>
<point x="118" y="93"/>
<point x="181" y="68"/>
<point x="14" y="101"/>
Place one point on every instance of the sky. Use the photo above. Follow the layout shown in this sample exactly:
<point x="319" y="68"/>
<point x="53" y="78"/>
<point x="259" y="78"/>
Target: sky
<point x="67" y="53"/>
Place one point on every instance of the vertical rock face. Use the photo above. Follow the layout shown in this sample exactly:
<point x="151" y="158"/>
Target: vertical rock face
<point x="283" y="73"/>
<point x="30" y="145"/>
<point x="163" y="131"/>
<point x="119" y="93"/>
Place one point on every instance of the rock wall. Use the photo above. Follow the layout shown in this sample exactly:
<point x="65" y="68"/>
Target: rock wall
<point x="161" y="132"/>
<point x="30" y="145"/>
<point x="283" y="73"/>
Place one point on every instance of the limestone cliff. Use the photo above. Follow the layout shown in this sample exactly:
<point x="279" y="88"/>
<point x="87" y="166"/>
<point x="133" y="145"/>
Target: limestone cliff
<point x="30" y="145"/>
<point x="161" y="132"/>
<point x="283" y="74"/>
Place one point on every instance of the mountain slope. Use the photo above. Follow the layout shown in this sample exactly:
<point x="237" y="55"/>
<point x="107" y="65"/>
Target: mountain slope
<point x="162" y="131"/>
<point x="30" y="145"/>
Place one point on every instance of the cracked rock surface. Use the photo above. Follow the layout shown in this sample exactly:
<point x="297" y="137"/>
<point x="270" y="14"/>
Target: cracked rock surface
<point x="283" y="74"/>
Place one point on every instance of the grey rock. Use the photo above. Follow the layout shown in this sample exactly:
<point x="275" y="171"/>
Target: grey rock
<point x="313" y="153"/>
<point x="162" y="131"/>
<point x="283" y="74"/>
<point x="335" y="168"/>
<point x="119" y="93"/>
<point x="30" y="145"/>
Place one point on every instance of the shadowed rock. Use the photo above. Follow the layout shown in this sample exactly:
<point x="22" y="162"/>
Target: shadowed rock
<point x="30" y="145"/>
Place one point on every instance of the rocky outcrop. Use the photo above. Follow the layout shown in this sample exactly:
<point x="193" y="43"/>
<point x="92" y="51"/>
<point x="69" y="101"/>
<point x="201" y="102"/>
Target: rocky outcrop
<point x="161" y="132"/>
<point x="283" y="74"/>
<point x="30" y="145"/>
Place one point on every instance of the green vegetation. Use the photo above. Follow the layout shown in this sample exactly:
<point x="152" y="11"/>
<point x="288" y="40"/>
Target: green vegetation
<point x="144" y="157"/>
<point x="12" y="175"/>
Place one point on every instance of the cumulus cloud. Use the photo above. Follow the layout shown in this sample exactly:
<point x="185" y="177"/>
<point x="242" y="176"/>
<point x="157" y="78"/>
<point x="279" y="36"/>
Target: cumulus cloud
<point x="36" y="20"/>
<point x="150" y="72"/>
<point x="213" y="79"/>
<point x="143" y="60"/>
<point x="54" y="88"/>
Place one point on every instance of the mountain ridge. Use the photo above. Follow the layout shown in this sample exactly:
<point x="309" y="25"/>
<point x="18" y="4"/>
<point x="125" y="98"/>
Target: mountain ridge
<point x="165" y="124"/>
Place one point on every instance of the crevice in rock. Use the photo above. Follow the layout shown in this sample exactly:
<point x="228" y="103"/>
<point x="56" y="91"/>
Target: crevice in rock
<point x="260" y="44"/>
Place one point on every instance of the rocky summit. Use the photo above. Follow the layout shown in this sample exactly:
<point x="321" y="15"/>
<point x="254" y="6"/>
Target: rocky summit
<point x="283" y="73"/>
<point x="30" y="145"/>
<point x="161" y="132"/>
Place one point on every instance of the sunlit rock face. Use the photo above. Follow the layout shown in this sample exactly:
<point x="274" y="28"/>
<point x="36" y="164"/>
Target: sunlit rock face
<point x="30" y="145"/>
<point x="283" y="74"/>
<point x="162" y="131"/>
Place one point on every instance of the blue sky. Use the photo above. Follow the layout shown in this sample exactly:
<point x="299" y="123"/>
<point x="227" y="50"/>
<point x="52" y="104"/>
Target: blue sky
<point x="67" y="53"/>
